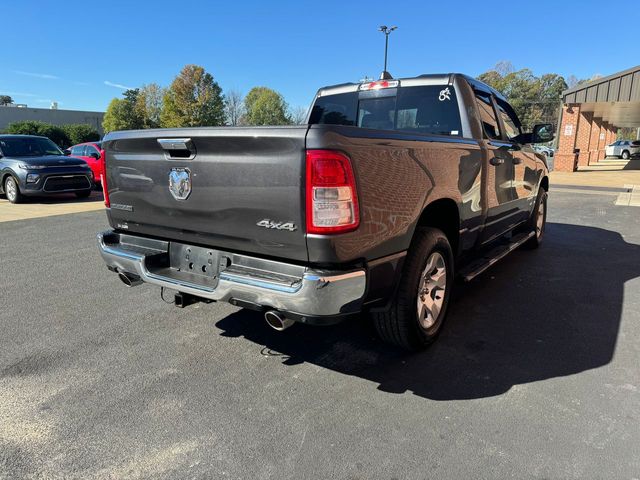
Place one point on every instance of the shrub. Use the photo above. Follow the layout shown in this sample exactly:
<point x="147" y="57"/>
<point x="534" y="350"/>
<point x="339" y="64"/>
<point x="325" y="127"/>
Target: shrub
<point x="81" y="133"/>
<point x="34" y="127"/>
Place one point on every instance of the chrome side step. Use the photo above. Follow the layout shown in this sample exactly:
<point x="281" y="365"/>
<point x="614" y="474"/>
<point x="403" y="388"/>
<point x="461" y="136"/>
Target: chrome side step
<point x="476" y="267"/>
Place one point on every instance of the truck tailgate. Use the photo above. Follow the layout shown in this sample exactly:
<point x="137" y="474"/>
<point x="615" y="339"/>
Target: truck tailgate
<point x="239" y="177"/>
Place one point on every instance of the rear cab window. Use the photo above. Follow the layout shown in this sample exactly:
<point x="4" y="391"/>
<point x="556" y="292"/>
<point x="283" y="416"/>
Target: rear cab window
<point x="424" y="109"/>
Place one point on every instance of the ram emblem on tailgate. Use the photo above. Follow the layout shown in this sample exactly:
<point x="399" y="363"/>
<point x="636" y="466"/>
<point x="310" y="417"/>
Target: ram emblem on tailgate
<point x="180" y="183"/>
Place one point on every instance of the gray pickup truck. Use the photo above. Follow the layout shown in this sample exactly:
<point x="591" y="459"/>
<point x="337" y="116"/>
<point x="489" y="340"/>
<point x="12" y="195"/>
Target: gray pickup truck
<point x="390" y="190"/>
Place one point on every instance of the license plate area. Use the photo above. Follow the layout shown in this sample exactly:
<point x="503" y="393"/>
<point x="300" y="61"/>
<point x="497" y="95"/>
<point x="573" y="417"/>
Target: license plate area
<point x="199" y="261"/>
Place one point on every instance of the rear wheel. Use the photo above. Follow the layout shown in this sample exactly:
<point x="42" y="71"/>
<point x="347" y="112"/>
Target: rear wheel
<point x="625" y="155"/>
<point x="418" y="309"/>
<point x="12" y="191"/>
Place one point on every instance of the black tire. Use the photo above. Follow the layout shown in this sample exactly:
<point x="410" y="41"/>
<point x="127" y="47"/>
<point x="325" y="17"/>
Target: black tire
<point x="400" y="324"/>
<point x="83" y="193"/>
<point x="625" y="155"/>
<point x="12" y="190"/>
<point x="533" y="225"/>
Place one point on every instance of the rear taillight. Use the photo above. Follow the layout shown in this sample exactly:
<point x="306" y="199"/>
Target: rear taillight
<point x="105" y="189"/>
<point x="332" y="199"/>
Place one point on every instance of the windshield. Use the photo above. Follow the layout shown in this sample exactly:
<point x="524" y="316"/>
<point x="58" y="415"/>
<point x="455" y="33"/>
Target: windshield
<point x="28" y="147"/>
<point x="431" y="109"/>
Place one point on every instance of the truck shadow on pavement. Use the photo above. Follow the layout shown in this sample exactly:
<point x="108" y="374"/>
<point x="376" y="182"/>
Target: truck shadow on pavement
<point x="536" y="315"/>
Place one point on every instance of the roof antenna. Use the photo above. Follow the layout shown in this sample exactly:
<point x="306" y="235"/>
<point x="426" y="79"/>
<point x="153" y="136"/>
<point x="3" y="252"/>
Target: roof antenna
<point x="387" y="31"/>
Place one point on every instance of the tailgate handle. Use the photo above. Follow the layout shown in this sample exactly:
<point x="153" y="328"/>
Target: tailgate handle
<point x="177" y="147"/>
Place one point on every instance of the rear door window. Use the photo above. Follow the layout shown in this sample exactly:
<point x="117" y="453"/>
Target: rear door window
<point x="429" y="109"/>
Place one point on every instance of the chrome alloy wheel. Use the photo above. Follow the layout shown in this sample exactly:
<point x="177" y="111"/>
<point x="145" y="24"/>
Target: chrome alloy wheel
<point x="11" y="189"/>
<point x="431" y="290"/>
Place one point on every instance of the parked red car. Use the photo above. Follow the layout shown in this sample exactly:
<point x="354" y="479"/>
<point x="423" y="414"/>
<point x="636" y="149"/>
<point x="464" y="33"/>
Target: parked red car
<point x="93" y="154"/>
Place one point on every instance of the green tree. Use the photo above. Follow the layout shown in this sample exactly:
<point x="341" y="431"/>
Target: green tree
<point x="124" y="113"/>
<point x="80" y="133"/>
<point x="264" y="106"/>
<point x="34" y="127"/>
<point x="5" y="100"/>
<point x="535" y="99"/>
<point x="194" y="99"/>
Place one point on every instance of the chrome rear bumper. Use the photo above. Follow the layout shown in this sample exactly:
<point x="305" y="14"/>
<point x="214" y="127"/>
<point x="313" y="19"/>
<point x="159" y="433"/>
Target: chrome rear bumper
<point x="240" y="279"/>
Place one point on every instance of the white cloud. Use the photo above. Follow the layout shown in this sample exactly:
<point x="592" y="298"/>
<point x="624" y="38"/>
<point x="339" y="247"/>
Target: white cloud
<point x="45" y="76"/>
<point x="48" y="100"/>
<point x="117" y="85"/>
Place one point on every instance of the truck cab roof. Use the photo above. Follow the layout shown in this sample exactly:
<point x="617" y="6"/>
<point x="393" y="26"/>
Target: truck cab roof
<point x="424" y="79"/>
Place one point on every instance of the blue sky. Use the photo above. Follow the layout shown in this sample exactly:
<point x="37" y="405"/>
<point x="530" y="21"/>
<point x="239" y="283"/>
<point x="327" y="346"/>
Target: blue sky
<point x="82" y="54"/>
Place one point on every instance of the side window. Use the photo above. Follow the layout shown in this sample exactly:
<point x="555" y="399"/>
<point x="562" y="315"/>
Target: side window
<point x="487" y="115"/>
<point x="429" y="109"/>
<point x="509" y="120"/>
<point x="90" y="150"/>
<point x="78" y="151"/>
<point x="340" y="109"/>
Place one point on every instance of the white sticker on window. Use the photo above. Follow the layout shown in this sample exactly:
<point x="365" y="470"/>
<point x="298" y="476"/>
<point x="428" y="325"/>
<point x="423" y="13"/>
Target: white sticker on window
<point x="444" y="95"/>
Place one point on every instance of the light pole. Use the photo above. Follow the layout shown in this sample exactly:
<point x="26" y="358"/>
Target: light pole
<point x="387" y="31"/>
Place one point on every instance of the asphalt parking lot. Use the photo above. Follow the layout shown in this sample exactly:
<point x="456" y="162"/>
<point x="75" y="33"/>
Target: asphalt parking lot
<point x="536" y="374"/>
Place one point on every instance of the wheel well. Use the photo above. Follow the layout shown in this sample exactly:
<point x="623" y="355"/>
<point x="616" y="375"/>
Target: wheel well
<point x="545" y="184"/>
<point x="443" y="214"/>
<point x="3" y="178"/>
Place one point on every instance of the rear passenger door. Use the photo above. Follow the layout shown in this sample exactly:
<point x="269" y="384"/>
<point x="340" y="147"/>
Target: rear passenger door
<point x="525" y="177"/>
<point x="501" y="209"/>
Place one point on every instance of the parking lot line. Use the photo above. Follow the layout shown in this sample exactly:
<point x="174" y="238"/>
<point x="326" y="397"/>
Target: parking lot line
<point x="37" y="208"/>
<point x="583" y="191"/>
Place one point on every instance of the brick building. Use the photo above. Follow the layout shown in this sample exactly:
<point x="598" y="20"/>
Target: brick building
<point x="591" y="115"/>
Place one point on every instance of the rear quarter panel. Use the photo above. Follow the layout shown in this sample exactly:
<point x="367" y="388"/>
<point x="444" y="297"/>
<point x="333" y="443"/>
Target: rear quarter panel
<point x="397" y="175"/>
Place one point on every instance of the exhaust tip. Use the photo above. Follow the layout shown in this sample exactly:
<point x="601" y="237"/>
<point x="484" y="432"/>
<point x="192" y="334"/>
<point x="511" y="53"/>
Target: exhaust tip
<point x="277" y="321"/>
<point x="129" y="280"/>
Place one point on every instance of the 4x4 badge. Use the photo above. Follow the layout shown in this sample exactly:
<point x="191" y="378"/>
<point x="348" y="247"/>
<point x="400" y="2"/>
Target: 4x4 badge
<point x="266" y="223"/>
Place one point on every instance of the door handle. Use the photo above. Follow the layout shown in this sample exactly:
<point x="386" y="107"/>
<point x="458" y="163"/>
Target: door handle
<point x="517" y="160"/>
<point x="495" y="161"/>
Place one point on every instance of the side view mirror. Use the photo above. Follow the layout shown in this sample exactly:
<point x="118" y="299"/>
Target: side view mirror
<point x="95" y="155"/>
<point x="67" y="152"/>
<point x="542" y="133"/>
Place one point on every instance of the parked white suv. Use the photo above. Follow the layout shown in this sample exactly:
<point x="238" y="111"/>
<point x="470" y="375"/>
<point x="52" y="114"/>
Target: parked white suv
<point x="624" y="149"/>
